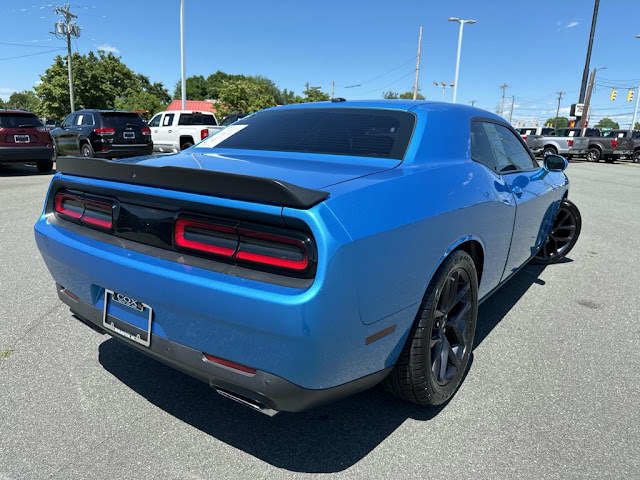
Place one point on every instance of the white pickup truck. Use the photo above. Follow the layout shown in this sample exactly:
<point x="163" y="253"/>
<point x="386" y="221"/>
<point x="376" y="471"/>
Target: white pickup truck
<point x="175" y="130"/>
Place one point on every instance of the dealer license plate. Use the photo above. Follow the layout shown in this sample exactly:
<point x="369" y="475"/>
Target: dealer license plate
<point x="21" y="138"/>
<point x="127" y="317"/>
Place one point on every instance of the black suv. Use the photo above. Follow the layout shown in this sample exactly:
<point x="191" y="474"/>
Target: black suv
<point x="103" y="133"/>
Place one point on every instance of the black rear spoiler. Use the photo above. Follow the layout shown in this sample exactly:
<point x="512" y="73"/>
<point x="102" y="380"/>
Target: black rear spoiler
<point x="219" y="184"/>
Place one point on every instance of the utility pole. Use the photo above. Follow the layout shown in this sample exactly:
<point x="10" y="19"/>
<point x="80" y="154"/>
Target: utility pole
<point x="560" y="94"/>
<point x="415" y="83"/>
<point x="587" y="100"/>
<point x="182" y="68"/>
<point x="472" y="102"/>
<point x="635" y="110"/>
<point x="333" y="85"/>
<point x="504" y="87"/>
<point x="513" y="100"/>
<point x="66" y="29"/>
<point x="585" y="72"/>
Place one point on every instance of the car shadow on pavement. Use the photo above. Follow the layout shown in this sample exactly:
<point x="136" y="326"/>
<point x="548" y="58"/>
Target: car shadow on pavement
<point x="327" y="439"/>
<point x="21" y="171"/>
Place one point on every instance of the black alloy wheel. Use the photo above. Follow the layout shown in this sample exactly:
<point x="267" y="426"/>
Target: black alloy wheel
<point x="435" y="357"/>
<point x="564" y="235"/>
<point x="86" y="150"/>
<point x="451" y="326"/>
<point x="636" y="156"/>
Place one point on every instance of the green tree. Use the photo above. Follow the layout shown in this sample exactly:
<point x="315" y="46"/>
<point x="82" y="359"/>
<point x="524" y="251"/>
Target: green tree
<point x="562" y="122"/>
<point x="391" y="95"/>
<point x="314" y="94"/>
<point x="196" y="88"/>
<point x="26" y="100"/>
<point x="243" y="96"/>
<point x="607" y="123"/>
<point x="98" y="81"/>
<point x="405" y="95"/>
<point x="636" y="126"/>
<point x="140" y="100"/>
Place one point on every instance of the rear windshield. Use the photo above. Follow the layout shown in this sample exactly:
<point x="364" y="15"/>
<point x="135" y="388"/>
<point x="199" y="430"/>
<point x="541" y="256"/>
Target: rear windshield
<point x="336" y="131"/>
<point x="15" y="120"/>
<point x="120" y="121"/>
<point x="196" y="119"/>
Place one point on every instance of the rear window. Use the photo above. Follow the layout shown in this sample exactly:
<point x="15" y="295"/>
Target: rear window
<point x="335" y="131"/>
<point x="196" y="119"/>
<point x="120" y="121"/>
<point x="16" y="120"/>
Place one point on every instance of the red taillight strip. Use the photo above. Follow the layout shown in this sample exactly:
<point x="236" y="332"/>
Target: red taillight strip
<point x="298" y="265"/>
<point x="183" y="242"/>
<point x="86" y="216"/>
<point x="229" y="363"/>
<point x="105" y="131"/>
<point x="145" y="130"/>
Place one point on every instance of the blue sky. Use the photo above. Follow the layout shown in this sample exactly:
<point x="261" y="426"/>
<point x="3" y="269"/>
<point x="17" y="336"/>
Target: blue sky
<point x="537" y="47"/>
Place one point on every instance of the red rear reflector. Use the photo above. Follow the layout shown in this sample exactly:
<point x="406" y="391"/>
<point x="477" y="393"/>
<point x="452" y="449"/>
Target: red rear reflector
<point x="145" y="130"/>
<point x="570" y="143"/>
<point x="230" y="364"/>
<point x="105" y="131"/>
<point x="524" y="138"/>
<point x="207" y="233"/>
<point x="204" y="133"/>
<point x="614" y="143"/>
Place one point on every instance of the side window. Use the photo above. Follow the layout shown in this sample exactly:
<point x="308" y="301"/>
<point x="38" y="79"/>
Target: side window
<point x="167" y="121"/>
<point x="87" y="119"/>
<point x="155" y="121"/>
<point x="209" y="120"/>
<point x="481" y="150"/>
<point x="68" y="121"/>
<point x="509" y="153"/>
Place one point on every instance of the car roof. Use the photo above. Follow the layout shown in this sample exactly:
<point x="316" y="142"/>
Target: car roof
<point x="3" y="110"/>
<point x="95" y="110"/>
<point x="407" y="105"/>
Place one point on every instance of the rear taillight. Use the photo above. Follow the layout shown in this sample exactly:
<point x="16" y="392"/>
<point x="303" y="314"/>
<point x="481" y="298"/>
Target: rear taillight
<point x="88" y="211"/>
<point x="614" y="143"/>
<point x="105" y="131"/>
<point x="204" y="133"/>
<point x="524" y="138"/>
<point x="247" y="244"/>
<point x="145" y="130"/>
<point x="570" y="143"/>
<point x="42" y="129"/>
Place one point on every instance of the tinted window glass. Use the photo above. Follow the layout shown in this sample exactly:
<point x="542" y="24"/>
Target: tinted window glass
<point x="155" y="121"/>
<point x="548" y="131"/>
<point x="120" y="121"/>
<point x="232" y="118"/>
<point x="509" y="153"/>
<point x="167" y="121"/>
<point x="336" y="131"/>
<point x="481" y="150"/>
<point x="84" y="119"/>
<point x="196" y="119"/>
<point x="68" y="121"/>
<point x="15" y="120"/>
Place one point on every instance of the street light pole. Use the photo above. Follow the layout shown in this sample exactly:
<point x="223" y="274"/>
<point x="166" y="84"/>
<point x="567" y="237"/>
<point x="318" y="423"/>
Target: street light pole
<point x="455" y="79"/>
<point x="184" y="82"/>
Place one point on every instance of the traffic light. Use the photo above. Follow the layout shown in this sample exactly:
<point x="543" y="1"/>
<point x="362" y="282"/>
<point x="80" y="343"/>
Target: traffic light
<point x="630" y="95"/>
<point x="614" y="92"/>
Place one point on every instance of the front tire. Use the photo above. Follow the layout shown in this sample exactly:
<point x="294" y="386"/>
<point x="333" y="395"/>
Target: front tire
<point x="549" y="151"/>
<point x="593" y="155"/>
<point x="636" y="156"/>
<point x="563" y="237"/>
<point x="435" y="356"/>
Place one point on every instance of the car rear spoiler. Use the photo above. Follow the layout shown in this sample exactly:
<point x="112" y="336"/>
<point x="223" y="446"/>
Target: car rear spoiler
<point x="206" y="182"/>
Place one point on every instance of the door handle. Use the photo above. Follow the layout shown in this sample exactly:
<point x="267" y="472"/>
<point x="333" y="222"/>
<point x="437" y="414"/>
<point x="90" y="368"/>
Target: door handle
<point x="169" y="131"/>
<point x="155" y="131"/>
<point x="516" y="191"/>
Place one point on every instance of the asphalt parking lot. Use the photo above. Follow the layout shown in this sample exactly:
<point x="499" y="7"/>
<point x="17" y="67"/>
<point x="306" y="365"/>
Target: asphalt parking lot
<point x="553" y="390"/>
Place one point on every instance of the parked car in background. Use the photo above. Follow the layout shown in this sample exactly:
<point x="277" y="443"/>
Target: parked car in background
<point x="103" y="134"/>
<point x="175" y="130"/>
<point x="605" y="146"/>
<point x="309" y="251"/>
<point x="629" y="147"/>
<point x="524" y="131"/>
<point x="234" y="117"/>
<point x="24" y="139"/>
<point x="570" y="142"/>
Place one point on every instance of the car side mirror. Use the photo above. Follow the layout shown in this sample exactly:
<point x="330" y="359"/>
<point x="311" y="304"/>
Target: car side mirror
<point x="555" y="163"/>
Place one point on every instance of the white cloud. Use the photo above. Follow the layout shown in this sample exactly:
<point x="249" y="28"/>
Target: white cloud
<point x="572" y="24"/>
<point x="5" y="93"/>
<point x="105" y="47"/>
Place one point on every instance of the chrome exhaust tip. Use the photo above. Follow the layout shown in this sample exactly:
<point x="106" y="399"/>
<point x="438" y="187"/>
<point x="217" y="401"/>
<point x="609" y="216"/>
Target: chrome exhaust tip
<point x="252" y="404"/>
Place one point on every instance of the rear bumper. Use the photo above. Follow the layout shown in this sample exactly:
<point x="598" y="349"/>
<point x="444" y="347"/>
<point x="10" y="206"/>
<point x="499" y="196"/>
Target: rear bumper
<point x="262" y="390"/>
<point x="623" y="153"/>
<point x="122" y="151"/>
<point x="25" y="154"/>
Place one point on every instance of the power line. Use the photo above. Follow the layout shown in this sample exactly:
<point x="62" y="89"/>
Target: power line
<point x="32" y="45"/>
<point x="387" y="73"/>
<point x="411" y="72"/>
<point x="31" y="54"/>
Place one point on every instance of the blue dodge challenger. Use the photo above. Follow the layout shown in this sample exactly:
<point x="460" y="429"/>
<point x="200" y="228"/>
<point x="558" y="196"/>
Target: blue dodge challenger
<point x="308" y="252"/>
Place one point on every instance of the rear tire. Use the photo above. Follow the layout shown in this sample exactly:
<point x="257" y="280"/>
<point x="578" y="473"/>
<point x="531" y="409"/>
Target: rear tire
<point x="593" y="155"/>
<point x="436" y="354"/>
<point x="44" y="166"/>
<point x="186" y="145"/>
<point x="86" y="150"/>
<point x="636" y="156"/>
<point x="549" y="151"/>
